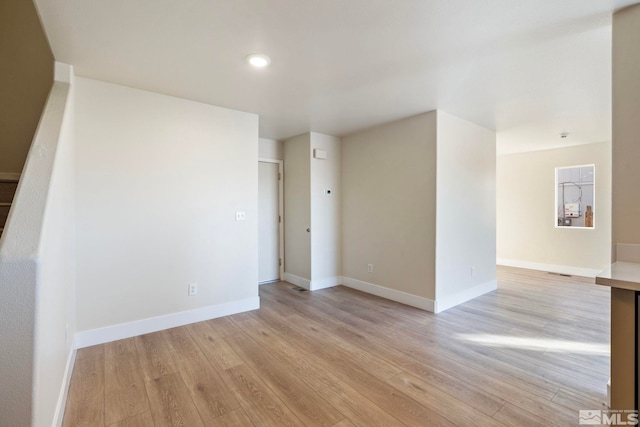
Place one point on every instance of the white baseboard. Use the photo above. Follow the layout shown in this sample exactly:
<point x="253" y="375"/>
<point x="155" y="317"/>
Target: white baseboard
<point x="329" y="282"/>
<point x="553" y="268"/>
<point x="297" y="280"/>
<point x="391" y="294"/>
<point x="445" y="303"/>
<point x="9" y="176"/>
<point x="154" y="324"/>
<point x="312" y="285"/>
<point x="64" y="390"/>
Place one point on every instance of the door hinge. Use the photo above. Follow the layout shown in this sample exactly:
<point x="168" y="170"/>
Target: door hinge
<point x="279" y="176"/>
<point x="279" y="219"/>
<point x="280" y="261"/>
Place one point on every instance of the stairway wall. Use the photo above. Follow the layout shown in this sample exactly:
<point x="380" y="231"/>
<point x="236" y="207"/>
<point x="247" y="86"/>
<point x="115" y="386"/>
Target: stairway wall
<point x="25" y="81"/>
<point x="7" y="191"/>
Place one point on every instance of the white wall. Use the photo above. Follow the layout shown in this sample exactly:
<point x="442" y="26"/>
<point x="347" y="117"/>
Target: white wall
<point x="325" y="212"/>
<point x="626" y="126"/>
<point x="158" y="182"/>
<point x="270" y="149"/>
<point x="466" y="211"/>
<point x="388" y="207"/>
<point x="56" y="303"/>
<point x="37" y="277"/>
<point x="297" y="209"/>
<point x="526" y="234"/>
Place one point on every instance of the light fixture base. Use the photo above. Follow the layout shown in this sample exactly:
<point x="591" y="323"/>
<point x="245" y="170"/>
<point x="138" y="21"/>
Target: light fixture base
<point x="258" y="60"/>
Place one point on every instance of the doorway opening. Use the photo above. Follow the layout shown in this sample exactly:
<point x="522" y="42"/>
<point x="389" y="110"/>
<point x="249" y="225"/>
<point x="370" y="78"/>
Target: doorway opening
<point x="270" y="221"/>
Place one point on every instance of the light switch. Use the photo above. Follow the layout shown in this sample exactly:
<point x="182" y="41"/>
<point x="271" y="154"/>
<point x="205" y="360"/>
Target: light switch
<point x="319" y="154"/>
<point x="241" y="215"/>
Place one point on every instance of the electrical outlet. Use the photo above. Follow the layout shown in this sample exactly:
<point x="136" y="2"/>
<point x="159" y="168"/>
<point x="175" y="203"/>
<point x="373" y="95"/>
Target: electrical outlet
<point x="473" y="271"/>
<point x="241" y="215"/>
<point x="370" y="268"/>
<point x="193" y="289"/>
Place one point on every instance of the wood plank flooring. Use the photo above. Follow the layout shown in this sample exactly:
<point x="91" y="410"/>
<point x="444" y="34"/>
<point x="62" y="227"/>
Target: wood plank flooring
<point x="534" y="352"/>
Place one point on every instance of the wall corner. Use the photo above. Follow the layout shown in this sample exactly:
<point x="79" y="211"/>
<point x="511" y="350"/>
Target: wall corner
<point x="63" y="72"/>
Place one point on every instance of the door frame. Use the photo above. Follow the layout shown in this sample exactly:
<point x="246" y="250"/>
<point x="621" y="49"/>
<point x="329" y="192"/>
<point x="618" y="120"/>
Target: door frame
<point x="280" y="164"/>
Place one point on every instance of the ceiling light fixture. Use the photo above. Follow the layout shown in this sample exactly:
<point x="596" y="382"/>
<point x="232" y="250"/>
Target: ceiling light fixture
<point x="258" y="60"/>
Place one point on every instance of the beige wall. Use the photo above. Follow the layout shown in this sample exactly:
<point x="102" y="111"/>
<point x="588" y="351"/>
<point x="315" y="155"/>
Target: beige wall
<point x="526" y="212"/>
<point x="466" y="210"/>
<point x="388" y="205"/>
<point x="297" y="206"/>
<point x="325" y="212"/>
<point x="419" y="204"/>
<point x="626" y="126"/>
<point x="26" y="77"/>
<point x="158" y="182"/>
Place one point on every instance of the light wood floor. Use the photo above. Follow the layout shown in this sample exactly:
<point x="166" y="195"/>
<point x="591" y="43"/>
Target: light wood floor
<point x="533" y="352"/>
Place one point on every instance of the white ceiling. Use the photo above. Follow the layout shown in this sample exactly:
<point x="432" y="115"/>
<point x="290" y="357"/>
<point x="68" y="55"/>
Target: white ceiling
<point x="530" y="69"/>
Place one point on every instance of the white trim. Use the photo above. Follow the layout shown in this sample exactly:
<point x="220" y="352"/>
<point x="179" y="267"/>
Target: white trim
<point x="9" y="176"/>
<point x="280" y="209"/>
<point x="64" y="389"/>
<point x="552" y="268"/>
<point x="391" y="294"/>
<point x="297" y="280"/>
<point x="446" y="303"/>
<point x="154" y="324"/>
<point x="329" y="282"/>
<point x="63" y="72"/>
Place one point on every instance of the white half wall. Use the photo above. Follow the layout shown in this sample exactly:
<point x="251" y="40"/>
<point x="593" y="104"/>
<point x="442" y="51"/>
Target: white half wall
<point x="37" y="274"/>
<point x="466" y="211"/>
<point x="325" y="212"/>
<point x="158" y="183"/>
<point x="56" y="310"/>
<point x="527" y="236"/>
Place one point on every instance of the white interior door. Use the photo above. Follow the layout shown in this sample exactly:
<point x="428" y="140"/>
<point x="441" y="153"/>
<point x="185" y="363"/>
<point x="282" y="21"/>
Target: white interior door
<point x="268" y="223"/>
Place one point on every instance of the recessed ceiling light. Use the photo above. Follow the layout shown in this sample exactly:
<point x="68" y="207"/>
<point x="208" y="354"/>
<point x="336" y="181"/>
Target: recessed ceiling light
<point x="258" y="60"/>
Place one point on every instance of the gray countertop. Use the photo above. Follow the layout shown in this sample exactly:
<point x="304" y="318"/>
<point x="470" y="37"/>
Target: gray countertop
<point x="622" y="275"/>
